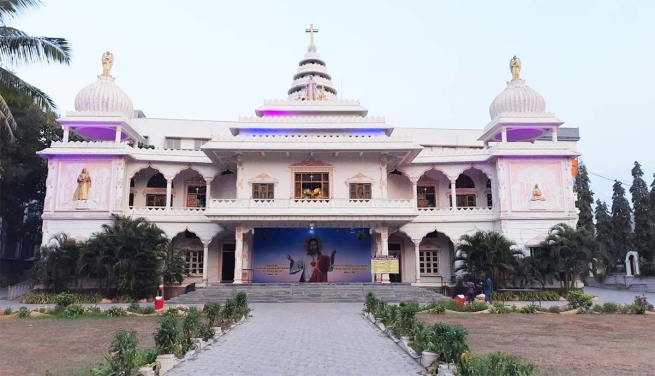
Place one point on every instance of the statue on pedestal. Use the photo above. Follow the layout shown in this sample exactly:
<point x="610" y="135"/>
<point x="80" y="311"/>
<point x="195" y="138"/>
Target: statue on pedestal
<point x="83" y="186"/>
<point x="515" y="67"/>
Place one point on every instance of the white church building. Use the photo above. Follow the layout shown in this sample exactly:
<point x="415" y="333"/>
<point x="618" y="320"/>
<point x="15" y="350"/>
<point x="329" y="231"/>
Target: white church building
<point x="247" y="197"/>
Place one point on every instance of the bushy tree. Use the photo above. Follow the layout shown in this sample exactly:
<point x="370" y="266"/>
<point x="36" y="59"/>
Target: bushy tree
<point x="643" y="224"/>
<point x="621" y="224"/>
<point x="138" y="249"/>
<point x="585" y="200"/>
<point x="57" y="265"/>
<point x="651" y="210"/>
<point x="487" y="252"/>
<point x="573" y="253"/>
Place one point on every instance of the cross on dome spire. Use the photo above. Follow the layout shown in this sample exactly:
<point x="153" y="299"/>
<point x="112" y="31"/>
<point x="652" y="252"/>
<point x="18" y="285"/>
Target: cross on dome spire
<point x="311" y="32"/>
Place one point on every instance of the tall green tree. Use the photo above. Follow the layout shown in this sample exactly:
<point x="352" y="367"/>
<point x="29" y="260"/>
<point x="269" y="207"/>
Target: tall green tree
<point x="18" y="49"/>
<point x="22" y="185"/>
<point x="487" y="252"/>
<point x="604" y="228"/>
<point x="621" y="224"/>
<point x="585" y="200"/>
<point x="643" y="224"/>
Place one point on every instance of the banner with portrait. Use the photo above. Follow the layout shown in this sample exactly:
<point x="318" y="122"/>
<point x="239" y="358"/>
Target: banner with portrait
<point x="288" y="255"/>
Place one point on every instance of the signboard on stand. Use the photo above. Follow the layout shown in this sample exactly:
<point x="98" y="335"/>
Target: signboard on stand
<point x="385" y="264"/>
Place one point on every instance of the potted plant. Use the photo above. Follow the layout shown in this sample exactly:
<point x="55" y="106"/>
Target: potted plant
<point x="430" y="354"/>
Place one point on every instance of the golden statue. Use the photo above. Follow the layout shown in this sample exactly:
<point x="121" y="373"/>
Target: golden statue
<point x="515" y="67"/>
<point x="312" y="194"/>
<point x="536" y="194"/>
<point x="107" y="62"/>
<point x="83" y="186"/>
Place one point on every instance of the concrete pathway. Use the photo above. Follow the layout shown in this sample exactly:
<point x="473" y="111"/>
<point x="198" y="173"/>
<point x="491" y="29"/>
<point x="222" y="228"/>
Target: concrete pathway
<point x="302" y="339"/>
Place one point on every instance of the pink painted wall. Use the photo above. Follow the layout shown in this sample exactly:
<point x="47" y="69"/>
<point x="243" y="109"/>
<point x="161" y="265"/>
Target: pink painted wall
<point x="104" y="179"/>
<point x="524" y="174"/>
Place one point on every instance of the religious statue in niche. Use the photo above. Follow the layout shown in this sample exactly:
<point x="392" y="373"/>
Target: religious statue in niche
<point x="536" y="194"/>
<point x="83" y="185"/>
<point x="107" y="62"/>
<point x="515" y="67"/>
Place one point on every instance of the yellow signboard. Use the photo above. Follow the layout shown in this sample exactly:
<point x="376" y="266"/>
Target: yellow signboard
<point x="385" y="264"/>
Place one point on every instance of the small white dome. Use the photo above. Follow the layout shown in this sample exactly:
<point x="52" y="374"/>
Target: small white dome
<point x="517" y="98"/>
<point x="104" y="96"/>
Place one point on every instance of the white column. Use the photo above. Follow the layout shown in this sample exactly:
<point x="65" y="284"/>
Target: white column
<point x="453" y="194"/>
<point x="417" y="256"/>
<point x="554" y="133"/>
<point x="384" y="242"/>
<point x="415" y="191"/>
<point x="135" y="144"/>
<point x="169" y="191"/>
<point x="66" y="133"/>
<point x="238" y="256"/>
<point x="119" y="133"/>
<point x="504" y="134"/>
<point x="383" y="176"/>
<point x="209" y="192"/>
<point x="205" y="258"/>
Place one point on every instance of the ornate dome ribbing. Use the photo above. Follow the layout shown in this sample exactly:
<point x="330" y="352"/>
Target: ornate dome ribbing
<point x="104" y="95"/>
<point x="518" y="97"/>
<point x="312" y="74"/>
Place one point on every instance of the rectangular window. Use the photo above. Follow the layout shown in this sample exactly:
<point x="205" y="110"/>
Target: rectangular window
<point x="426" y="196"/>
<point x="261" y="191"/>
<point x="173" y="143"/>
<point x="429" y="262"/>
<point x="312" y="185"/>
<point x="196" y="196"/>
<point x="195" y="262"/>
<point x="131" y="203"/>
<point x="360" y="191"/>
<point x="490" y="202"/>
<point x="197" y="144"/>
<point x="156" y="200"/>
<point x="466" y="201"/>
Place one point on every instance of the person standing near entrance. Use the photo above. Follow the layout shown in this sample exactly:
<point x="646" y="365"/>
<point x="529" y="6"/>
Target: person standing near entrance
<point x="488" y="289"/>
<point x="470" y="294"/>
<point x="314" y="265"/>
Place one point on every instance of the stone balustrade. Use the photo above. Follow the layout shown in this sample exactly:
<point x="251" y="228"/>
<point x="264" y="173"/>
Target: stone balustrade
<point x="160" y="210"/>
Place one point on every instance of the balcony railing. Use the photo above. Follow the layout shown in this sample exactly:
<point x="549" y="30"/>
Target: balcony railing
<point x="460" y="210"/>
<point x="161" y="210"/>
<point x="335" y="206"/>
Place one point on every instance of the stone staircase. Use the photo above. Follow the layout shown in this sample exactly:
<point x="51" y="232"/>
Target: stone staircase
<point x="310" y="293"/>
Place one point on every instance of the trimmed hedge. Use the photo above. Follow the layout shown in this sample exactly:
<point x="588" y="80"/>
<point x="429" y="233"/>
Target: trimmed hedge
<point x="71" y="297"/>
<point x="545" y="296"/>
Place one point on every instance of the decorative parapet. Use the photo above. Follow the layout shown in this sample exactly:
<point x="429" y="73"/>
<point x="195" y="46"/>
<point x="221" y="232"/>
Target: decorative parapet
<point x="89" y="144"/>
<point x="312" y="119"/>
<point x="298" y="203"/>
<point x="113" y="114"/>
<point x="347" y="102"/>
<point x="460" y="211"/>
<point x="156" y="211"/>
<point x="305" y="138"/>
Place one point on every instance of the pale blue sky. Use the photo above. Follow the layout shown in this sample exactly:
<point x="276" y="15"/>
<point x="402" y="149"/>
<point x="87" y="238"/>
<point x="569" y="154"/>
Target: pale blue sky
<point x="432" y="64"/>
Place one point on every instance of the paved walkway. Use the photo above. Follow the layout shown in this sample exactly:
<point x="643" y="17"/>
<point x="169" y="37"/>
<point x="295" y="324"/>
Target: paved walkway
<point x="302" y="339"/>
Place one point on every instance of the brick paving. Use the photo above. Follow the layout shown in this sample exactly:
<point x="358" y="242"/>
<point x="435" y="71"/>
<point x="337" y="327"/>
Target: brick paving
<point x="302" y="339"/>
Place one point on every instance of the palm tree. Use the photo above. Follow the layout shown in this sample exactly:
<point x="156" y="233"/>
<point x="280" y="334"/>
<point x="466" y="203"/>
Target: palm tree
<point x="137" y="250"/>
<point x="573" y="252"/>
<point x="17" y="48"/>
<point x="56" y="266"/>
<point x="487" y="252"/>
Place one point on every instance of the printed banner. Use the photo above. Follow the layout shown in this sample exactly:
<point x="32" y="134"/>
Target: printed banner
<point x="385" y="264"/>
<point x="287" y="255"/>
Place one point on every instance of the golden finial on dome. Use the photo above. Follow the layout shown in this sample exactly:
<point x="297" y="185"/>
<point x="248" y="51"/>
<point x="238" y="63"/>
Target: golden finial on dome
<point x="107" y="62"/>
<point x="515" y="67"/>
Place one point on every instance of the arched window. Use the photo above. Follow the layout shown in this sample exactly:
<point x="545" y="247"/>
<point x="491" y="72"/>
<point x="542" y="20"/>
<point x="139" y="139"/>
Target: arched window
<point x="463" y="181"/>
<point x="157" y="181"/>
